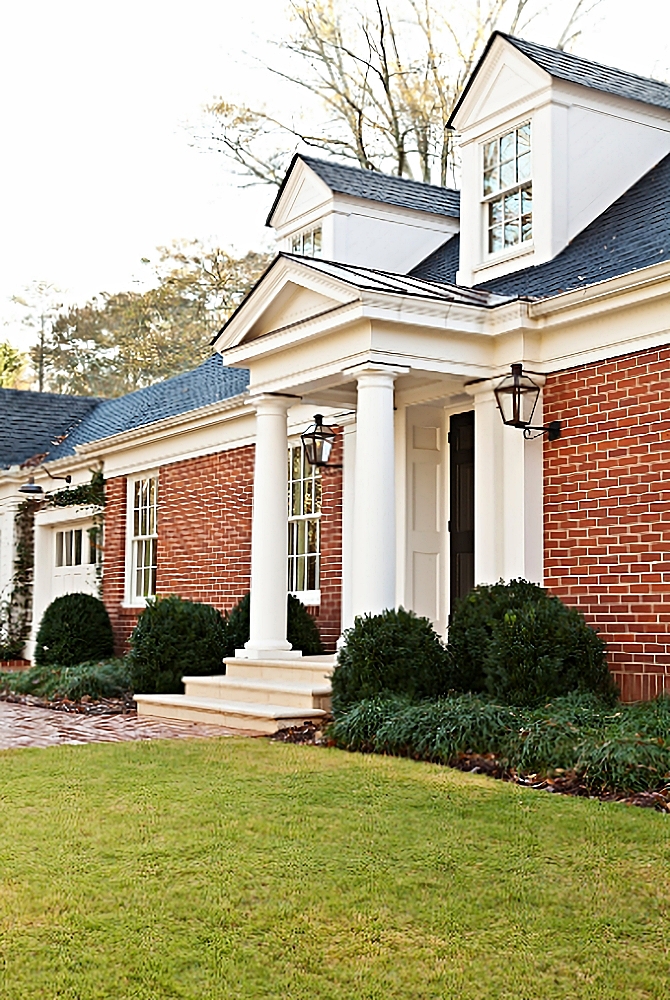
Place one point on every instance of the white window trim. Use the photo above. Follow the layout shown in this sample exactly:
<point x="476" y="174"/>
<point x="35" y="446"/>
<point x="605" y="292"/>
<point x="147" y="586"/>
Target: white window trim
<point x="488" y="258"/>
<point x="310" y="598"/>
<point x="129" y="601"/>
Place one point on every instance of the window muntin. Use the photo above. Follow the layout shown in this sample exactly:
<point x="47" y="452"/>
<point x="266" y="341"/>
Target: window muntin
<point x="144" y="537"/>
<point x="508" y="191"/>
<point x="304" y="527"/>
<point x="307" y="243"/>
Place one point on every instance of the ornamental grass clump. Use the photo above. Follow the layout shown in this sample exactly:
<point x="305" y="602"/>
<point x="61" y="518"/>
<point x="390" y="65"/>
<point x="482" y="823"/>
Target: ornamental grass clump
<point x="75" y="628"/>
<point x="173" y="638"/>
<point x="396" y="652"/>
<point x="100" y="679"/>
<point x="524" y="647"/>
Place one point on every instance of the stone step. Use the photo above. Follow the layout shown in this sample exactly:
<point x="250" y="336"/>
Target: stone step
<point x="270" y="692"/>
<point x="245" y="716"/>
<point x="306" y="670"/>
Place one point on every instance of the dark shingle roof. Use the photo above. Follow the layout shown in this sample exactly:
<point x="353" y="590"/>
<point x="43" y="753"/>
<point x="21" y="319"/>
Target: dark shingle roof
<point x="608" y="79"/>
<point x="31" y="421"/>
<point x="574" y="69"/>
<point x="632" y="233"/>
<point x="210" y="382"/>
<point x="374" y="186"/>
<point x="441" y="264"/>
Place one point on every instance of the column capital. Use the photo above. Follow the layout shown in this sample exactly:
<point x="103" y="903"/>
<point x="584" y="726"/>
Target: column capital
<point x="382" y="374"/>
<point x="266" y="402"/>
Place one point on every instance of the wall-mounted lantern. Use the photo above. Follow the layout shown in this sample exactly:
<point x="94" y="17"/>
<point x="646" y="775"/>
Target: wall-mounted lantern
<point x="32" y="489"/>
<point x="318" y="441"/>
<point x="517" y="395"/>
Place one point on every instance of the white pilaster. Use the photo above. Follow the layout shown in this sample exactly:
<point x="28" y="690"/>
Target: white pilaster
<point x="269" y="545"/>
<point x="374" y="528"/>
<point x="508" y="494"/>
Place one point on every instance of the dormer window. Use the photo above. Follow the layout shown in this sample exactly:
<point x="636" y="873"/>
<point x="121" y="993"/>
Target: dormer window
<point x="508" y="192"/>
<point x="307" y="243"/>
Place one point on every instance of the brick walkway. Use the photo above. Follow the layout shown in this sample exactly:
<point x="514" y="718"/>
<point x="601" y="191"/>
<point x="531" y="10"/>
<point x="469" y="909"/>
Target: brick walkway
<point x="30" y="726"/>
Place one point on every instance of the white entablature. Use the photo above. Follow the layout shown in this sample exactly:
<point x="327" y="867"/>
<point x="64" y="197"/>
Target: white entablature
<point x="587" y="147"/>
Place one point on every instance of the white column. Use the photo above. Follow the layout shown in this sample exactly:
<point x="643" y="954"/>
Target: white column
<point x="508" y="494"/>
<point x="374" y="530"/>
<point x="269" y="551"/>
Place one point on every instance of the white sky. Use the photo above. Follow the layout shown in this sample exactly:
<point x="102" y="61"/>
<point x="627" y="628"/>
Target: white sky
<point x="98" y="166"/>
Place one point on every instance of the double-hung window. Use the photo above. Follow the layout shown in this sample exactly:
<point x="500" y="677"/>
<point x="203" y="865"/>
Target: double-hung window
<point x="307" y="243"/>
<point x="304" y="525"/>
<point x="508" y="190"/>
<point x="144" y="540"/>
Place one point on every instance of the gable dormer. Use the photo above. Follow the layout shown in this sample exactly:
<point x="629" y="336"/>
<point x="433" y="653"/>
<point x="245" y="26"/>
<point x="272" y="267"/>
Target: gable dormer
<point x="361" y="217"/>
<point x="549" y="141"/>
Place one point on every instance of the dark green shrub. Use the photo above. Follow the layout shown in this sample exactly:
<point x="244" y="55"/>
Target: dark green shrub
<point x="301" y="630"/>
<point x="74" y="628"/>
<point x="524" y="646"/>
<point x="395" y="652"/>
<point x="103" y="679"/>
<point x="172" y="638"/>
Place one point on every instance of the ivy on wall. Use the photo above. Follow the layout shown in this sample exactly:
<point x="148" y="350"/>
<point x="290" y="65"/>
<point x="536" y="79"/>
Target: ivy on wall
<point x="16" y="611"/>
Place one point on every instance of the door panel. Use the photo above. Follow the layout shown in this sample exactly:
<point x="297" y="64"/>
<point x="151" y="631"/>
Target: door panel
<point x="461" y="505"/>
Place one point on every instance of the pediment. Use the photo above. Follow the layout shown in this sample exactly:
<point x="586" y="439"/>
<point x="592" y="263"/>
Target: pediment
<point x="505" y="79"/>
<point x="289" y="294"/>
<point x="303" y="193"/>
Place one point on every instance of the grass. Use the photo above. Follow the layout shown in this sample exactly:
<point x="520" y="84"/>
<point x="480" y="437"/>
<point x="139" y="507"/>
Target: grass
<point x="245" y="869"/>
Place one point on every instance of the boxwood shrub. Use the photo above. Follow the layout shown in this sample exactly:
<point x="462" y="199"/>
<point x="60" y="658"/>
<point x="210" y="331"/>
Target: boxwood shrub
<point x="524" y="646"/>
<point x="174" y="637"/>
<point x="396" y="652"/>
<point x="301" y="629"/>
<point x="74" y="628"/>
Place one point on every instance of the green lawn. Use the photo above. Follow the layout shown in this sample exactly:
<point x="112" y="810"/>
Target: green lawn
<point x="244" y="869"/>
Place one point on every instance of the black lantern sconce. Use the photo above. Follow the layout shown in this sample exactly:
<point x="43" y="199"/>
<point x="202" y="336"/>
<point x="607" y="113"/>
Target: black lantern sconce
<point x="32" y="489"/>
<point x="517" y="395"/>
<point x="318" y="441"/>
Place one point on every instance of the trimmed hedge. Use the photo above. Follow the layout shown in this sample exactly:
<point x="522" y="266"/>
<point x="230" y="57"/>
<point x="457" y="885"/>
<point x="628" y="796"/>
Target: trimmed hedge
<point x="174" y="637"/>
<point x="626" y="750"/>
<point x="394" y="652"/>
<point x="524" y="646"/>
<point x="301" y="629"/>
<point x="75" y="628"/>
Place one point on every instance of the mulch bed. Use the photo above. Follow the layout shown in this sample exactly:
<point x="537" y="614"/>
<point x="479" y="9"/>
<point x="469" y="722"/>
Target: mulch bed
<point x="86" y="706"/>
<point x="568" y="783"/>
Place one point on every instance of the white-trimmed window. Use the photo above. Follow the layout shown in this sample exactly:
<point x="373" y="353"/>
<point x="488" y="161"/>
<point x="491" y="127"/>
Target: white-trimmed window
<point x="144" y="538"/>
<point x="304" y="526"/>
<point x="508" y="190"/>
<point x="307" y="243"/>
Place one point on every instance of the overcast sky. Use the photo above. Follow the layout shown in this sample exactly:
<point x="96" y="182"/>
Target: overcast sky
<point x="99" y="101"/>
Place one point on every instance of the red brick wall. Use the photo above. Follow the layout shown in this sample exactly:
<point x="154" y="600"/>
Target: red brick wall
<point x="329" y="615"/>
<point x="607" y="509"/>
<point x="204" y="538"/>
<point x="113" y="576"/>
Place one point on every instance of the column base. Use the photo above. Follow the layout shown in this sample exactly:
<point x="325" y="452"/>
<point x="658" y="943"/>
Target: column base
<point x="254" y="653"/>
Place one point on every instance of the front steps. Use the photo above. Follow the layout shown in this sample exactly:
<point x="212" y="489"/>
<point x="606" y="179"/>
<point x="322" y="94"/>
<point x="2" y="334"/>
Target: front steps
<point x="253" y="695"/>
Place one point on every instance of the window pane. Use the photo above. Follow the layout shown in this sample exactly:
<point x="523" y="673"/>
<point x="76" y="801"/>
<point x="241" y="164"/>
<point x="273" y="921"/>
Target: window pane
<point x="295" y="463"/>
<point x="527" y="200"/>
<point x="295" y="244"/>
<point x="59" y="548"/>
<point x="67" y="538"/>
<point x="508" y="147"/>
<point x="495" y="239"/>
<point x="77" y="547"/>
<point x="302" y="536"/>
<point x="523" y="137"/>
<point x="311" y="573"/>
<point x="524" y="167"/>
<point x="308" y="497"/>
<point x="92" y="546"/>
<point x="495" y="211"/>
<point x="317" y="242"/>
<point x="490" y="182"/>
<point x="317" y="495"/>
<point x="312" y="536"/>
<point x="507" y="174"/>
<point x="527" y="228"/>
<point x="512" y="202"/>
<point x="295" y="499"/>
<point x="300" y="575"/>
<point x="307" y="244"/>
<point x="490" y="155"/>
<point x="511" y="233"/>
